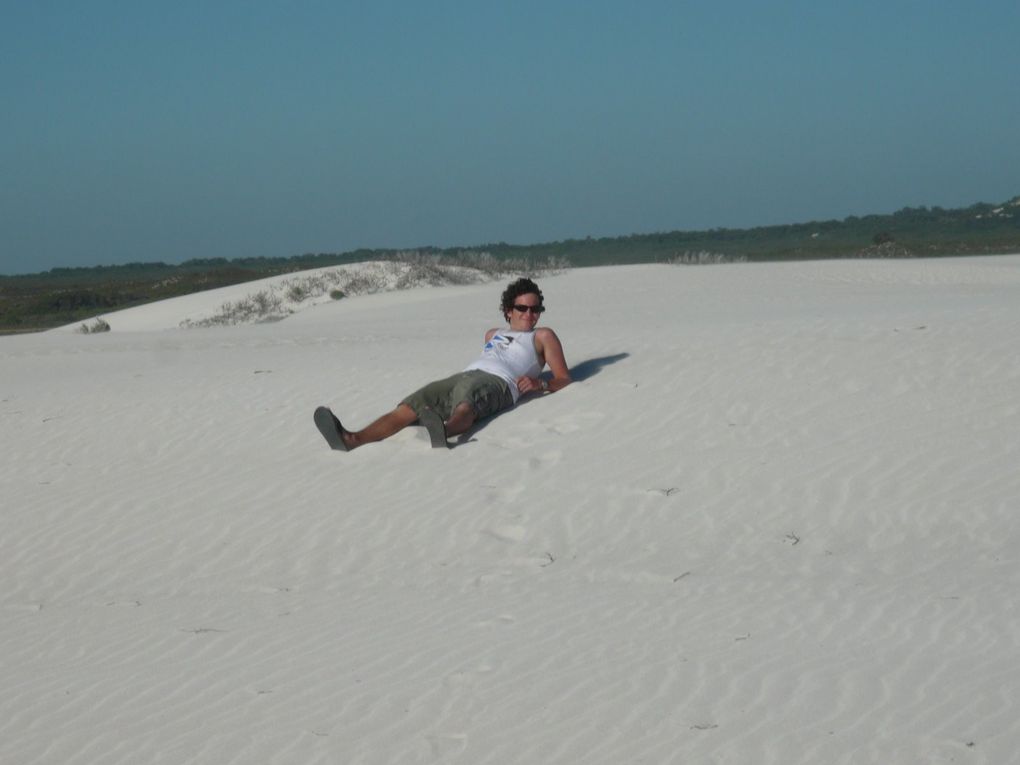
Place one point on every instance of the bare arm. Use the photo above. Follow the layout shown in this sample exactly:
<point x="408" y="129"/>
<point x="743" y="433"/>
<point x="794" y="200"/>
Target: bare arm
<point x="549" y="347"/>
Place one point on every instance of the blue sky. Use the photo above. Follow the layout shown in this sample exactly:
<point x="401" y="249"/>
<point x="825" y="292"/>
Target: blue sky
<point x="143" y="131"/>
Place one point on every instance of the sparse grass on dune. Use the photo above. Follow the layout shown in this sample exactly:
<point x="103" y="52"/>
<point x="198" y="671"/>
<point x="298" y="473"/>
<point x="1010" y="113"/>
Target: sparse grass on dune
<point x="406" y="270"/>
<point x="704" y="258"/>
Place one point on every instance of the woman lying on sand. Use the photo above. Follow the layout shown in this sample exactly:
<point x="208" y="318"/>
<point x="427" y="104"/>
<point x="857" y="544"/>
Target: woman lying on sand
<point x="509" y="367"/>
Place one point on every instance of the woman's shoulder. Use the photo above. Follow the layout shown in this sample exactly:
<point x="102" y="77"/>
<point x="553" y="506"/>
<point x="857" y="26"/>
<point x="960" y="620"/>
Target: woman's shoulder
<point x="545" y="336"/>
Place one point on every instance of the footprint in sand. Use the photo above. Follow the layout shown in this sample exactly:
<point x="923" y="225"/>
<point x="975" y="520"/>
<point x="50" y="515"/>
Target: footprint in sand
<point x="547" y="460"/>
<point x="270" y="590"/>
<point x="564" y="429"/>
<point x="565" y="426"/>
<point x="502" y="495"/>
<point x="24" y="607"/>
<point x="446" y="743"/>
<point x="493" y="576"/>
<point x="501" y="620"/>
<point x="460" y="679"/>
<point x="507" y="533"/>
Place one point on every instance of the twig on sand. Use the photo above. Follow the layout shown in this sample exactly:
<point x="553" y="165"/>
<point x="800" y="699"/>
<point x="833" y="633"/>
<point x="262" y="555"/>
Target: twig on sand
<point x="202" y="630"/>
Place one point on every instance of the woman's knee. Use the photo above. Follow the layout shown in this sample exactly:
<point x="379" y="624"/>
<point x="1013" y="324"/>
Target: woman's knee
<point x="405" y="414"/>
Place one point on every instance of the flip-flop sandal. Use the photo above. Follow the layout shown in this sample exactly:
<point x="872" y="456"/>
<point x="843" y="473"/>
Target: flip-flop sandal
<point x="433" y="423"/>
<point x="331" y="429"/>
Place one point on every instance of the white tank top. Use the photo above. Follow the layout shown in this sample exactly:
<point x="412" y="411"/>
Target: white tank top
<point x="510" y="355"/>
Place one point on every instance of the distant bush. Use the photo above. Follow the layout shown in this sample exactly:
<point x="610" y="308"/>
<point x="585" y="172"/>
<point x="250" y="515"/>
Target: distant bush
<point x="476" y="266"/>
<point x="260" y="306"/>
<point x="363" y="283"/>
<point x="98" y="325"/>
<point x="886" y="249"/>
<point x="703" y="258"/>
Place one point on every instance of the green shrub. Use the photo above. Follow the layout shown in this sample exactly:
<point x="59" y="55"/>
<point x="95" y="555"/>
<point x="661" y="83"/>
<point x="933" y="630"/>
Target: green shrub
<point x="98" y="325"/>
<point x="703" y="258"/>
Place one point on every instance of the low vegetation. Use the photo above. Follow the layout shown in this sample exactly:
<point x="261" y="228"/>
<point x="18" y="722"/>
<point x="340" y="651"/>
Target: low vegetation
<point x="400" y="272"/>
<point x="67" y="295"/>
<point x="704" y="258"/>
<point x="97" y="325"/>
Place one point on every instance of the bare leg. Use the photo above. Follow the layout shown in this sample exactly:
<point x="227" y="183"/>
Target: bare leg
<point x="384" y="427"/>
<point x="461" y="418"/>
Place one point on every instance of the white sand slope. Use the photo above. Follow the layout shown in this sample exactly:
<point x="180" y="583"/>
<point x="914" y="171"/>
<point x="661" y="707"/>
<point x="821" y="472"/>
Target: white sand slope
<point x="277" y="297"/>
<point x="776" y="520"/>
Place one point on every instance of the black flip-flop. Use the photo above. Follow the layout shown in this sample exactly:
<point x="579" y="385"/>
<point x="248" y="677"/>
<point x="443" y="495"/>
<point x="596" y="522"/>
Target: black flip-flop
<point x="331" y="429"/>
<point x="436" y="428"/>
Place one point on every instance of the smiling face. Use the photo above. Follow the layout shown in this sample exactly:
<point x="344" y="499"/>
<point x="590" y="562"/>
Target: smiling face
<point x="525" y="320"/>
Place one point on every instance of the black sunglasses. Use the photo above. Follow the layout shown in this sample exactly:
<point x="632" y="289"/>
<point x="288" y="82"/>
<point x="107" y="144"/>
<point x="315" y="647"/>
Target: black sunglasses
<point x="535" y="309"/>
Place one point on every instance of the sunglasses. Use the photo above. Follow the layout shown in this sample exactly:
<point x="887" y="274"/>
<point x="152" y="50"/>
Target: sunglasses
<point x="535" y="309"/>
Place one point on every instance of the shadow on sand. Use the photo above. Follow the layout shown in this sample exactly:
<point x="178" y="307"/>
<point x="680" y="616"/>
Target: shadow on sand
<point x="588" y="369"/>
<point x="578" y="373"/>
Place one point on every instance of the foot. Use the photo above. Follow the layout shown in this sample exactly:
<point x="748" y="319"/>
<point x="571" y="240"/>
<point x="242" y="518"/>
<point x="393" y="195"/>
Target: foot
<point x="437" y="430"/>
<point x="331" y="429"/>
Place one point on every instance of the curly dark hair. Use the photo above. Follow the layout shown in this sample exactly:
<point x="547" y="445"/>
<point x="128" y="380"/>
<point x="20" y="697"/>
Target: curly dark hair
<point x="523" y="286"/>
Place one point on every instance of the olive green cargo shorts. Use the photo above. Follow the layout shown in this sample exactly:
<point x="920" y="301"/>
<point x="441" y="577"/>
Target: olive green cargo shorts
<point x="486" y="393"/>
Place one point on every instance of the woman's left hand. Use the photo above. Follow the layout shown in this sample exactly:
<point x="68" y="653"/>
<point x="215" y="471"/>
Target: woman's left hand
<point x="529" y="385"/>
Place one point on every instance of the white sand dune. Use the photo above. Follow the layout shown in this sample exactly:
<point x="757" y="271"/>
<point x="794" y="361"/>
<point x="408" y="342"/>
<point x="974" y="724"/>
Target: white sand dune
<point x="282" y="295"/>
<point x="775" y="520"/>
